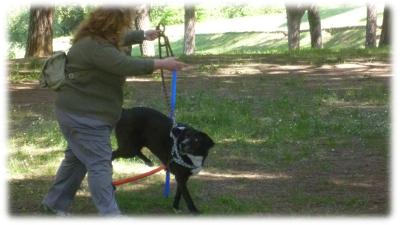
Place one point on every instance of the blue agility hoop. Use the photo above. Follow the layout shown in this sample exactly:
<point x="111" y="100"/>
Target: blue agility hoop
<point x="172" y="116"/>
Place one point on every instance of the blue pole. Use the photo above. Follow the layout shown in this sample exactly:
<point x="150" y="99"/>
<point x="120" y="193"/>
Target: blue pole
<point x="167" y="184"/>
<point x="172" y="116"/>
<point x="173" y="95"/>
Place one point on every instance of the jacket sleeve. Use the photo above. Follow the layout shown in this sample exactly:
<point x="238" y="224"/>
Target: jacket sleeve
<point x="108" y="58"/>
<point x="133" y="37"/>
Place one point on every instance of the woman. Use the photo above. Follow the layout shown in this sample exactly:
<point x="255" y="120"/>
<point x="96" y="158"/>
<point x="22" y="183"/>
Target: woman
<point x="90" y="103"/>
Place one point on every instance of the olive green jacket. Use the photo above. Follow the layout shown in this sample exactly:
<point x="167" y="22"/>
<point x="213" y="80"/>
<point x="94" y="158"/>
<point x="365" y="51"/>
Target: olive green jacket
<point x="96" y="74"/>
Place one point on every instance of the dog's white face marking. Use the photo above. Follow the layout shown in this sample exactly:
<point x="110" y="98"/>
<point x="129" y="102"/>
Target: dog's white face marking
<point x="197" y="162"/>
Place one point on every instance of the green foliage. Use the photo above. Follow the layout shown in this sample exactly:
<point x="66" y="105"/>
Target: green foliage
<point x="221" y="12"/>
<point x="175" y="15"/>
<point x="17" y="27"/>
<point x="235" y="11"/>
<point x="167" y="15"/>
<point x="66" y="19"/>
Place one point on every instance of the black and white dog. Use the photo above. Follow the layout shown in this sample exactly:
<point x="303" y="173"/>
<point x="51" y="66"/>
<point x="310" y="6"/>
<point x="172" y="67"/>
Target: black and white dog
<point x="181" y="148"/>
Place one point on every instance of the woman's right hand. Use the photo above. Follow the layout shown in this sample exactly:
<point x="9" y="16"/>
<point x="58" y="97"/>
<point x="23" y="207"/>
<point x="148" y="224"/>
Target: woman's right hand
<point x="170" y="63"/>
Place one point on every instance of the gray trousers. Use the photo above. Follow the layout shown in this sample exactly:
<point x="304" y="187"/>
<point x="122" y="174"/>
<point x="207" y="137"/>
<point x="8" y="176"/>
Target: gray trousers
<point x="89" y="151"/>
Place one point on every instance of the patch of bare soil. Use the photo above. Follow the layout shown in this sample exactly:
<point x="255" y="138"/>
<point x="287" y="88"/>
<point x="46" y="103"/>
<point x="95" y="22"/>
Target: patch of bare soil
<point x="29" y="93"/>
<point x="352" y="181"/>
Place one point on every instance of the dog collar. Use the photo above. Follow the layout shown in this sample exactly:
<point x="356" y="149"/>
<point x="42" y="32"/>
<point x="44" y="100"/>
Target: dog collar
<point x="177" y="157"/>
<point x="197" y="162"/>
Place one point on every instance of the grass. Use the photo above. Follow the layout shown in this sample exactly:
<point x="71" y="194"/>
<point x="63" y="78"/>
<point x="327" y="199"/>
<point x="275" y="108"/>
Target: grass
<point x="289" y="142"/>
<point x="30" y="69"/>
<point x="27" y="71"/>
<point x="267" y="43"/>
<point x="273" y="41"/>
<point x="325" y="12"/>
<point x="262" y="124"/>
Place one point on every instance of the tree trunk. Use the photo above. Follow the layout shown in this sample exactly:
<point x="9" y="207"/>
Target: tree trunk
<point x="143" y="23"/>
<point x="189" y="37"/>
<point x="40" y="32"/>
<point x="370" y="37"/>
<point x="386" y="29"/>
<point x="314" y="21"/>
<point x="294" y="15"/>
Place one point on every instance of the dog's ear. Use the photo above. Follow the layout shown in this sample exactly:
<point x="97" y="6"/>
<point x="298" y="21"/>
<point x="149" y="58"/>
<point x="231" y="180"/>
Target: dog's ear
<point x="208" y="142"/>
<point x="178" y="130"/>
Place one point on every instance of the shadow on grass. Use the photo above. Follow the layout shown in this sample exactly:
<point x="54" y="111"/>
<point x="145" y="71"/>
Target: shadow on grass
<point x="26" y="195"/>
<point x="304" y="189"/>
<point x="273" y="156"/>
<point x="349" y="38"/>
<point x="327" y="12"/>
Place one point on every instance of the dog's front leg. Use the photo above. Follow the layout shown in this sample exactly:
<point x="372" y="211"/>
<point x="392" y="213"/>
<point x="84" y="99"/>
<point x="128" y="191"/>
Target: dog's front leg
<point x="177" y="200"/>
<point x="182" y="190"/>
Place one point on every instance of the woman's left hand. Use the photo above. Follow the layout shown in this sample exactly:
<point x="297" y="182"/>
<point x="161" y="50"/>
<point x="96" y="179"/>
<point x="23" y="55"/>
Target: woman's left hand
<point x="151" y="35"/>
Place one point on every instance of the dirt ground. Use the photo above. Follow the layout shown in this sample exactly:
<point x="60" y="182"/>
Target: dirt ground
<point x="350" y="169"/>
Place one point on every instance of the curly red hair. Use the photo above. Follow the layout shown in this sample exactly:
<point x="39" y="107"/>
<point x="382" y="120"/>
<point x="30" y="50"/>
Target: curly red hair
<point x="105" y="24"/>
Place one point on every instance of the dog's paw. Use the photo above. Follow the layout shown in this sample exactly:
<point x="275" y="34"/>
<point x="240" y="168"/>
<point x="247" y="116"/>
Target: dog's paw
<point x="177" y="211"/>
<point x="195" y="212"/>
